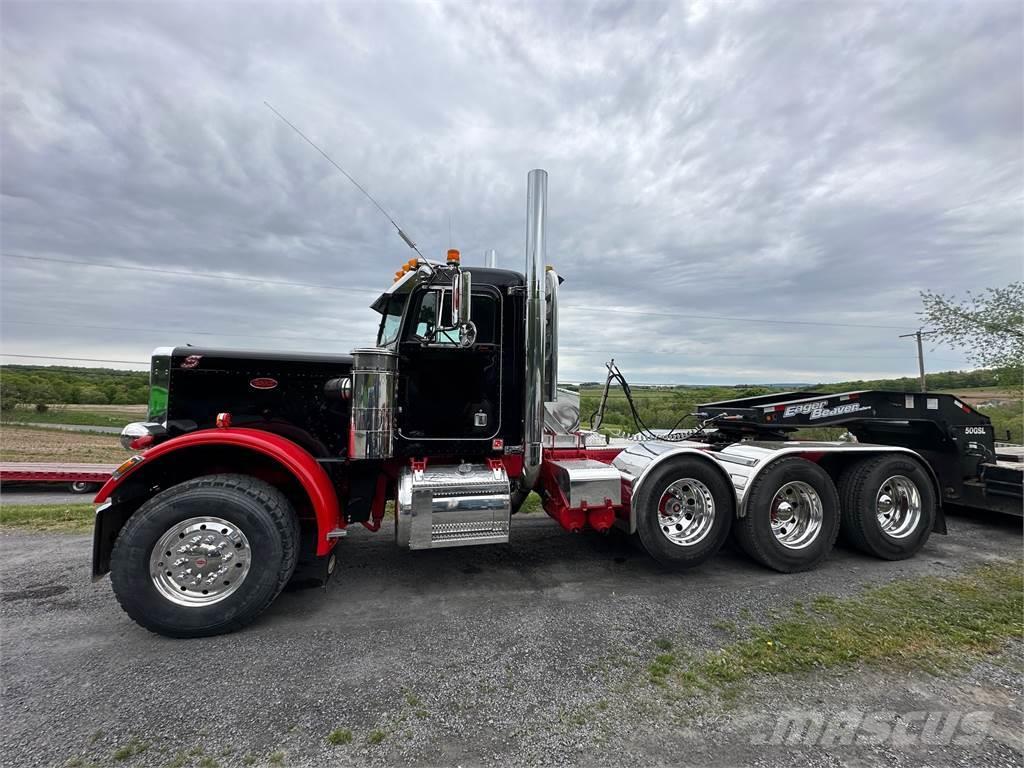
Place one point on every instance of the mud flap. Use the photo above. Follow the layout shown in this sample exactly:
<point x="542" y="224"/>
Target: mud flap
<point x="110" y="519"/>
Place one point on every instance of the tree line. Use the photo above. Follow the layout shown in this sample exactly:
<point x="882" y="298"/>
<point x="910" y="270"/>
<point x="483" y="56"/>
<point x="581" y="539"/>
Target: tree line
<point x="42" y="385"/>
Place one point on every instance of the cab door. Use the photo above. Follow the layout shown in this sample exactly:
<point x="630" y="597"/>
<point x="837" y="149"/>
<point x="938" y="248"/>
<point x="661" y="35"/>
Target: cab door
<point x="448" y="392"/>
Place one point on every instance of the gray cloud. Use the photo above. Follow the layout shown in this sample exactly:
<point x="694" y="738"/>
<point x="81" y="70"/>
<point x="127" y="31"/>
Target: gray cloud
<point x="805" y="161"/>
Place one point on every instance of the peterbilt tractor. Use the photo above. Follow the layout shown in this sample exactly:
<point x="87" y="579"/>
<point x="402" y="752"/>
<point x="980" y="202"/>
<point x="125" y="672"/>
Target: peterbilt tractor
<point x="252" y="466"/>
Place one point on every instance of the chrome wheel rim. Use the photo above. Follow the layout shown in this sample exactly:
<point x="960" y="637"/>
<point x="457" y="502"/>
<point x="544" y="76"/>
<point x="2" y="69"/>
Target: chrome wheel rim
<point x="898" y="507"/>
<point x="200" y="561"/>
<point x="796" y="515"/>
<point x="686" y="512"/>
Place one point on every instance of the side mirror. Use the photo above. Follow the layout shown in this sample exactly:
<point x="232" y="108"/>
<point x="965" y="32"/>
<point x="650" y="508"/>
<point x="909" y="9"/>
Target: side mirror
<point x="462" y="293"/>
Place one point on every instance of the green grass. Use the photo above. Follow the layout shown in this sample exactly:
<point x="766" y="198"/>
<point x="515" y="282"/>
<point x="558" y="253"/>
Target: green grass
<point x="376" y="736"/>
<point x="73" y="518"/>
<point x="277" y="758"/>
<point x="131" y="749"/>
<point x="928" y="623"/>
<point x="340" y="736"/>
<point x="58" y="415"/>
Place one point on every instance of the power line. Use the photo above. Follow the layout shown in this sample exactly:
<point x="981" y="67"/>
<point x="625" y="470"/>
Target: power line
<point x="589" y="308"/>
<point x="372" y="291"/>
<point x="168" y="331"/>
<point x="617" y="351"/>
<point x="77" y="359"/>
<point x="181" y="273"/>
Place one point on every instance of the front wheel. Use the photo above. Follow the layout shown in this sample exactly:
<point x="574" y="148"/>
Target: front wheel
<point x="206" y="556"/>
<point x="683" y="512"/>
<point x="792" y="516"/>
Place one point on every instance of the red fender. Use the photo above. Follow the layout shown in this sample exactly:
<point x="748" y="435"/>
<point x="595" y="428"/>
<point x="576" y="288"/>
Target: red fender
<point x="299" y="462"/>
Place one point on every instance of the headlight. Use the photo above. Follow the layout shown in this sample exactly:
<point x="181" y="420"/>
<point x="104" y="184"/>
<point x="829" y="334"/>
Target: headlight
<point x="137" y="429"/>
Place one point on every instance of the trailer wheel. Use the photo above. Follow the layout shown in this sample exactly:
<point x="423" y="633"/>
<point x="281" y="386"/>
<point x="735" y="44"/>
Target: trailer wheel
<point x="82" y="486"/>
<point x="792" y="516"/>
<point x="206" y="556"/>
<point x="889" y="506"/>
<point x="684" y="512"/>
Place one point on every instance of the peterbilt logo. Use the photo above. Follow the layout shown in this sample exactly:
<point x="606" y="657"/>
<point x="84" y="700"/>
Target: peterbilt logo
<point x="819" y="410"/>
<point x="191" y="361"/>
<point x="263" y="382"/>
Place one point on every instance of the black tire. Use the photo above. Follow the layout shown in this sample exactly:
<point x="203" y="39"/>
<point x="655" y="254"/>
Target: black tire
<point x="754" y="530"/>
<point x="651" y="519"/>
<point x="81" y="486"/>
<point x="859" y="488"/>
<point x="258" y="510"/>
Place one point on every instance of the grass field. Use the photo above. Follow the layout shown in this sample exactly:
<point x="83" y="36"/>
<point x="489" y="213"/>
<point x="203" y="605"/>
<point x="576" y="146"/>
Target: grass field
<point x="64" y="518"/>
<point x="42" y="444"/>
<point x="931" y="623"/>
<point x="84" y="415"/>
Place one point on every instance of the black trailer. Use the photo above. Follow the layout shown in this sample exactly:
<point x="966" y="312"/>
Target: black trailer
<point x="956" y="440"/>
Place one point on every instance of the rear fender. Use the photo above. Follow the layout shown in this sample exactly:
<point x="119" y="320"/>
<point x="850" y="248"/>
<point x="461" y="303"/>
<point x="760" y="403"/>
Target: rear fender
<point x="130" y="486"/>
<point x="741" y="462"/>
<point x="636" y="463"/>
<point x="746" y="460"/>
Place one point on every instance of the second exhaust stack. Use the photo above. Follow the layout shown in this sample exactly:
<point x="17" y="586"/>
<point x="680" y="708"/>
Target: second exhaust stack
<point x="536" y="257"/>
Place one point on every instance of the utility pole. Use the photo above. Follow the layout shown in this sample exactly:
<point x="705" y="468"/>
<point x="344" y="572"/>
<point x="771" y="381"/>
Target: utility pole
<point x="920" y="354"/>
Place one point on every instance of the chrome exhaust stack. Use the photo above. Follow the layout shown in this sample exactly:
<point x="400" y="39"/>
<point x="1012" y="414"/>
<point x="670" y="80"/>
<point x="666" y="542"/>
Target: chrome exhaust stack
<point x="551" y="336"/>
<point x="533" y="380"/>
<point x="490" y="258"/>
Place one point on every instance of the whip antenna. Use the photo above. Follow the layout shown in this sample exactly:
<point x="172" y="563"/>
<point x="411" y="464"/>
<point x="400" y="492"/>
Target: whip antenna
<point x="401" y="234"/>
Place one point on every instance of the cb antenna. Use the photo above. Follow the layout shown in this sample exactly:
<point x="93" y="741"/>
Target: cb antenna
<point x="408" y="240"/>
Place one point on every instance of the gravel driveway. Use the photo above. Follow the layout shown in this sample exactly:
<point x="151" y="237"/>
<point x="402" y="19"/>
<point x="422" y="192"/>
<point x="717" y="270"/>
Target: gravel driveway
<point x="528" y="653"/>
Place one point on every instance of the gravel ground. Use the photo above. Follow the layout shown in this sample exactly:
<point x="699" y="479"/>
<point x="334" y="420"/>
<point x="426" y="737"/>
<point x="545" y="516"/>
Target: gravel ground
<point x="532" y="653"/>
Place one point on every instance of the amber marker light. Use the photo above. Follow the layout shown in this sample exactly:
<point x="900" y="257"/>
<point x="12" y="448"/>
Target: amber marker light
<point x="453" y="256"/>
<point x="125" y="466"/>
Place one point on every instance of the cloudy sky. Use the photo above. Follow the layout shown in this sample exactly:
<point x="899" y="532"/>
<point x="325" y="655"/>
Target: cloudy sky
<point x="739" y="192"/>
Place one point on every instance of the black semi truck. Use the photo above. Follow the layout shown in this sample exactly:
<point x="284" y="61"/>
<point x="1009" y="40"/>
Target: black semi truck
<point x="252" y="466"/>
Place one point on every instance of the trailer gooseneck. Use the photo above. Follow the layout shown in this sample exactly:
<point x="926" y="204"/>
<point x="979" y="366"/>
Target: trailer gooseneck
<point x="254" y="464"/>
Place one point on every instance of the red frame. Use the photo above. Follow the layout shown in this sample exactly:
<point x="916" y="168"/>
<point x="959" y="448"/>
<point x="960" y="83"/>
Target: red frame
<point x="299" y="462"/>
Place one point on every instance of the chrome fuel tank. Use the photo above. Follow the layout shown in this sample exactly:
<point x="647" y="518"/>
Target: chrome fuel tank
<point x="371" y="430"/>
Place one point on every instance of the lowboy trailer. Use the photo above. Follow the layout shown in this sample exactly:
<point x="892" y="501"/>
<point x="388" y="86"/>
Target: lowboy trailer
<point x="78" y="478"/>
<point x="254" y="465"/>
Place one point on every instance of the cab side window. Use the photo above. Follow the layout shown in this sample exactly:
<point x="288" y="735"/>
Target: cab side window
<point x="485" y="317"/>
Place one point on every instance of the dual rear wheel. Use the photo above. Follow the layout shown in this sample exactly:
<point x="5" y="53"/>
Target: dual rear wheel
<point x="885" y="506"/>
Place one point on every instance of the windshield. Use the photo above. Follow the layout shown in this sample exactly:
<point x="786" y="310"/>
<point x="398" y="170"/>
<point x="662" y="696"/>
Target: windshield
<point x="391" y="321"/>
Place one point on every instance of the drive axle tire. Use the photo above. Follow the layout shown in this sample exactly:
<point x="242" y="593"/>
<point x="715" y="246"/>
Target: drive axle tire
<point x="684" y="512"/>
<point x="792" y="516"/>
<point x="206" y="556"/>
<point x="889" y="506"/>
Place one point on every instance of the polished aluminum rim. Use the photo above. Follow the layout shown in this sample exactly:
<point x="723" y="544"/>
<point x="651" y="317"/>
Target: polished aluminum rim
<point x="898" y="507"/>
<point x="200" y="561"/>
<point x="796" y="515"/>
<point x="686" y="512"/>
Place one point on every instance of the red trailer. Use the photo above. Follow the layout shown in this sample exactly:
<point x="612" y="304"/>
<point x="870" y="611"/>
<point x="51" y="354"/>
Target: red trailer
<point x="79" y="478"/>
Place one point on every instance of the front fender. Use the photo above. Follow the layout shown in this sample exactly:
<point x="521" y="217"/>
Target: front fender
<point x="291" y="457"/>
